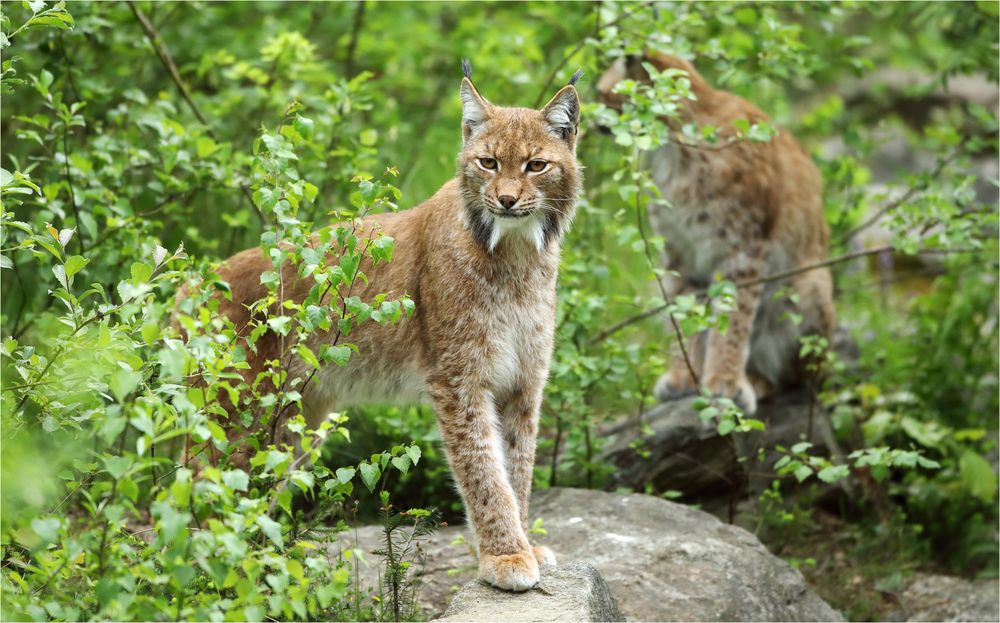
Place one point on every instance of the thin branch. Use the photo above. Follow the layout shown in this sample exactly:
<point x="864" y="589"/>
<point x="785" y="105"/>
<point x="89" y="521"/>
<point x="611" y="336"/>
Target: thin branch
<point x="164" y="54"/>
<point x="576" y="50"/>
<point x="909" y="194"/>
<point x="730" y="142"/>
<point x="618" y="326"/>
<point x="284" y="482"/>
<point x="168" y="62"/>
<point x="72" y="193"/>
<point x="24" y="297"/>
<point x="663" y="289"/>
<point x="352" y="45"/>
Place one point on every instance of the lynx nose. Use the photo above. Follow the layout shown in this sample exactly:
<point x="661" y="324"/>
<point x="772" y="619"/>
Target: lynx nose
<point x="507" y="201"/>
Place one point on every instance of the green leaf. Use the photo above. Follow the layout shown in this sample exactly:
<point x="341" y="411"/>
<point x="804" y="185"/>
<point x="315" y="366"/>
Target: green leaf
<point x="75" y="264"/>
<point x="280" y="324"/>
<point x="129" y="489"/>
<point x="801" y="447"/>
<point x="339" y="355"/>
<point x="344" y="474"/>
<point x="708" y="413"/>
<point x="303" y="480"/>
<point x="802" y="472"/>
<point x="60" y="272"/>
<point x="141" y="272"/>
<point x="370" y="475"/>
<point x="205" y="146"/>
<point x="414" y="453"/>
<point x="272" y="529"/>
<point x="833" y="473"/>
<point x="236" y="479"/>
<point x="726" y="426"/>
<point x="117" y="466"/>
<point x="150" y="332"/>
<point x="309" y="191"/>
<point x="978" y="476"/>
<point x="308" y="356"/>
<point x="123" y="382"/>
<point x="402" y="463"/>
<point x="46" y="529"/>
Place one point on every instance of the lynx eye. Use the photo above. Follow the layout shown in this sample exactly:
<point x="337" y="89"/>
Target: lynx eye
<point x="537" y="166"/>
<point x="489" y="164"/>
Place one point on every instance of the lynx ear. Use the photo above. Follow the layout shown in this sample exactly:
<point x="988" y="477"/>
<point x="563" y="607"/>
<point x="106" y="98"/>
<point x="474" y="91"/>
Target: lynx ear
<point x="563" y="113"/>
<point x="475" y="108"/>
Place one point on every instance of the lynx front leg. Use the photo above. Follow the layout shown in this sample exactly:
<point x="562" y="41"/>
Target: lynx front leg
<point x="520" y="424"/>
<point x="475" y="451"/>
<point x="726" y="354"/>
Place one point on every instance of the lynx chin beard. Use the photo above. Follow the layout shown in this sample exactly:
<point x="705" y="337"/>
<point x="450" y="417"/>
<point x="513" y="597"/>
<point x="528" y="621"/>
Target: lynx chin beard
<point x="529" y="223"/>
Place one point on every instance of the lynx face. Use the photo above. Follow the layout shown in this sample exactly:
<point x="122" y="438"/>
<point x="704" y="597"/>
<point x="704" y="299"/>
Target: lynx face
<point x="518" y="169"/>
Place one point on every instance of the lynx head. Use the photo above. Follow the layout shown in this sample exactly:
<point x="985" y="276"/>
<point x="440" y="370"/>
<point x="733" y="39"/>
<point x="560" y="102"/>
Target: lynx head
<point x="517" y="167"/>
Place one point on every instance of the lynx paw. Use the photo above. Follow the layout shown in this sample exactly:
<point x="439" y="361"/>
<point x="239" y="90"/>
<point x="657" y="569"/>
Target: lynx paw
<point x="513" y="572"/>
<point x="543" y="555"/>
<point x="673" y="385"/>
<point x="738" y="389"/>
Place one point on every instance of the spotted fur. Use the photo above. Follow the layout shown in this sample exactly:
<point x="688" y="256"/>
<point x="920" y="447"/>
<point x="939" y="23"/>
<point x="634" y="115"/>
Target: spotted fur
<point x="483" y="277"/>
<point x="743" y="211"/>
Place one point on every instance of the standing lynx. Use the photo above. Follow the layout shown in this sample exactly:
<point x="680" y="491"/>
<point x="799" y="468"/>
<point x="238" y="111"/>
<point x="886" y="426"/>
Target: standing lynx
<point x="479" y="259"/>
<point x="744" y="211"/>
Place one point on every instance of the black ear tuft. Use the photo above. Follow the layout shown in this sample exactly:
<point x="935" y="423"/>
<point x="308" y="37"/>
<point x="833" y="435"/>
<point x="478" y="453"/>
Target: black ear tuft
<point x="467" y="68"/>
<point x="576" y="76"/>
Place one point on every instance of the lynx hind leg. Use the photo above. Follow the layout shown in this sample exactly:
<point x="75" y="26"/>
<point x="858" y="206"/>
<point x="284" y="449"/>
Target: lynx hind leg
<point x="676" y="382"/>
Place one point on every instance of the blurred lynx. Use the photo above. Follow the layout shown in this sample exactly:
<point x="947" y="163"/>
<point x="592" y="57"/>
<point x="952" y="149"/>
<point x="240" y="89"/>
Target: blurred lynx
<point x="743" y="211"/>
<point x="479" y="259"/>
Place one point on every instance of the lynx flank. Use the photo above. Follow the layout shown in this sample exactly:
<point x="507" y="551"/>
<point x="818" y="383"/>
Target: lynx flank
<point x="745" y="211"/>
<point x="479" y="259"/>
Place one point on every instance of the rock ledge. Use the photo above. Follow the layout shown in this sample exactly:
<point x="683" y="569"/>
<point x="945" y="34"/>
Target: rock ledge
<point x="574" y="592"/>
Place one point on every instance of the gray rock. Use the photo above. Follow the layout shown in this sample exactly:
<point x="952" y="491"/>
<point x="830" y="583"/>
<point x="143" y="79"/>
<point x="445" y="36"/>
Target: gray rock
<point x="947" y="598"/>
<point x="669" y="562"/>
<point x="662" y="561"/>
<point x="574" y="592"/>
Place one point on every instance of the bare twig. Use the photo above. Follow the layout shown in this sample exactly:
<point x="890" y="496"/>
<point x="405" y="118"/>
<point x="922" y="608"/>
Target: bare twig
<point x="284" y="482"/>
<point x="909" y="194"/>
<point x="576" y="50"/>
<point x="663" y="290"/>
<point x="164" y="54"/>
<point x="615" y="328"/>
<point x="168" y="62"/>
<point x="72" y="193"/>
<point x="352" y="45"/>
